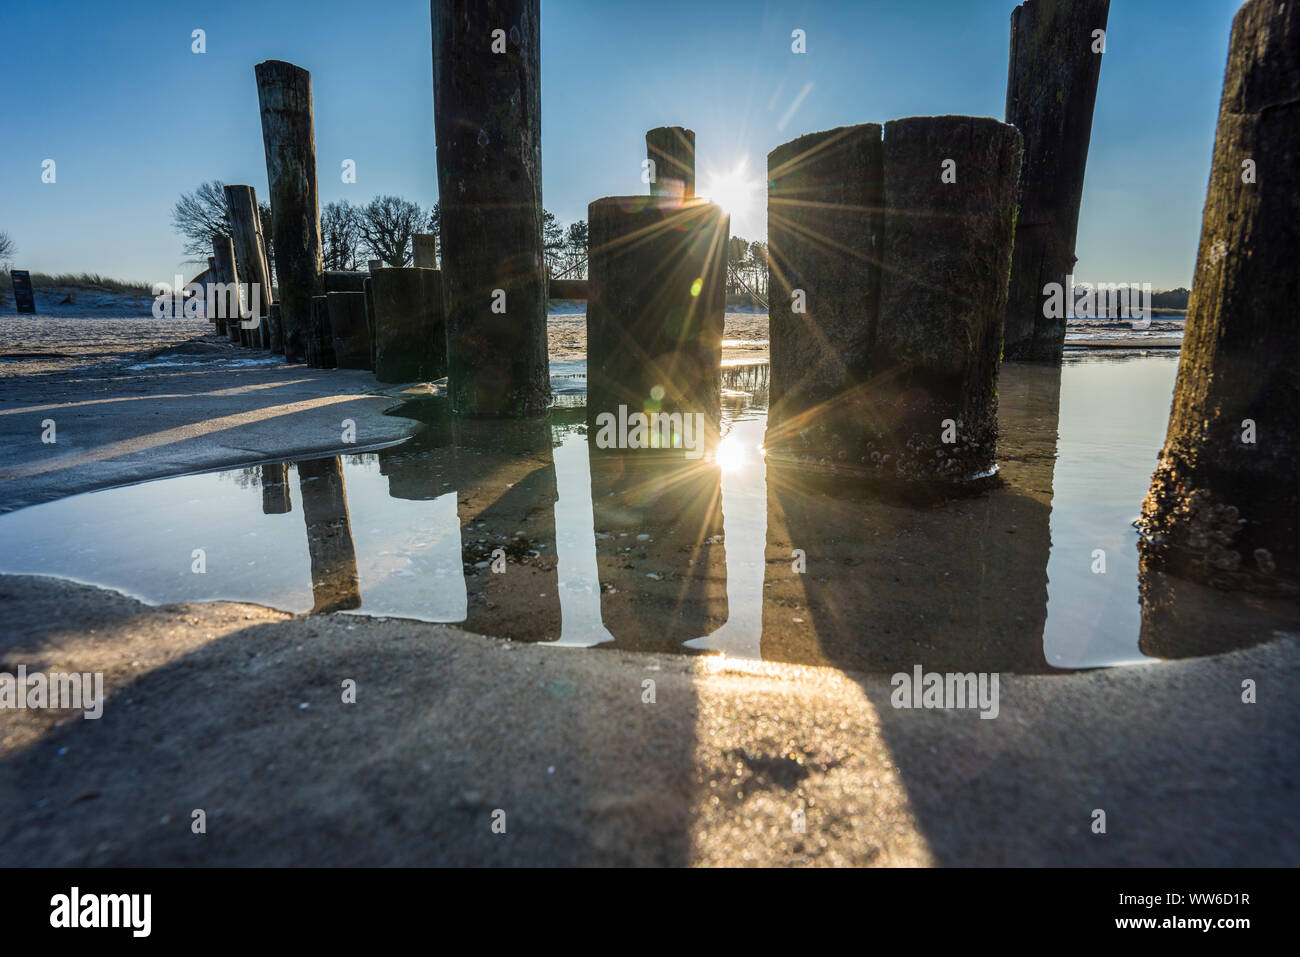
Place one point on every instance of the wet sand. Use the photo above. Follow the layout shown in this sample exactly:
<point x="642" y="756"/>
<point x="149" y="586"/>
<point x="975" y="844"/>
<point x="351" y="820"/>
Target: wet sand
<point x="237" y="710"/>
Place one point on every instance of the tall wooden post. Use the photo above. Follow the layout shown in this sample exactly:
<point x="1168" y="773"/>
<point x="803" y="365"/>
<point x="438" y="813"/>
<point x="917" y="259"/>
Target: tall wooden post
<point x="289" y="137"/>
<point x="225" y="301"/>
<point x="948" y="247"/>
<point x="672" y="150"/>
<point x="1223" y="502"/>
<point x="1051" y="89"/>
<point x="825" y="223"/>
<point x="487" y="117"/>
<point x="250" y="254"/>
<point x="656" y="310"/>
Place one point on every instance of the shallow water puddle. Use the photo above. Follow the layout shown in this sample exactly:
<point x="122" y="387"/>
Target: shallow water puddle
<point x="521" y="530"/>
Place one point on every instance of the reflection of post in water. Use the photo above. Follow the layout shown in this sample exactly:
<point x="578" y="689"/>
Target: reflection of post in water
<point x="1182" y="618"/>
<point x="421" y="469"/>
<point x="659" y="549"/>
<point x="275" y="489"/>
<point x="880" y="585"/>
<point x="329" y="535"/>
<point x="504" y="476"/>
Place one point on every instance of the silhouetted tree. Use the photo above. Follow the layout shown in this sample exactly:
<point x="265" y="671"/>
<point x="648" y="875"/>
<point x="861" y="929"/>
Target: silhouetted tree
<point x="341" y="238"/>
<point x="387" y="225"/>
<point x="199" y="216"/>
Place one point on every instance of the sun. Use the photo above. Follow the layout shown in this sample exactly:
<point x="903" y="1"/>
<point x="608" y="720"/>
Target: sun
<point x="731" y="454"/>
<point x="734" y="191"/>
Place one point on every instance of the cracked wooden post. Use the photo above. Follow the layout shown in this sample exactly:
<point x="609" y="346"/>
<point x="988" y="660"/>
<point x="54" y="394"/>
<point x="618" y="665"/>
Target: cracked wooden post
<point x="410" y="332"/>
<point x="672" y="150"/>
<point x="226" y="304"/>
<point x="657" y="295"/>
<point x="1051" y="89"/>
<point x="825" y="222"/>
<point x="487" y="119"/>
<point x="250" y="254"/>
<point x="1222" y="508"/>
<point x="288" y="134"/>
<point x="950" y="193"/>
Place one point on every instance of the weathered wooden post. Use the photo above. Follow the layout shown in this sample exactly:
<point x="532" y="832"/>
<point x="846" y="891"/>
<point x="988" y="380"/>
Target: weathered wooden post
<point x="320" y="342"/>
<point x="250" y="254"/>
<point x="425" y="247"/>
<point x="410" y="333"/>
<point x="950" y="194"/>
<point x="825" y="223"/>
<point x="329" y="535"/>
<point x="655" y="313"/>
<point x="487" y="118"/>
<point x="367" y="287"/>
<point x="672" y="151"/>
<point x="1223" y="503"/>
<point x="1055" y="62"/>
<point x="274" y="318"/>
<point x="275" y="489"/>
<point x="288" y="134"/>
<point x="225" y="300"/>
<point x="351" y="335"/>
<point x="207" y="296"/>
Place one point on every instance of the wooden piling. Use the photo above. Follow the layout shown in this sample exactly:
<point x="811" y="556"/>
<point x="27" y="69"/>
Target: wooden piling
<point x="1051" y="90"/>
<point x="320" y="342"/>
<point x="1222" y="507"/>
<point x="655" y="313"/>
<point x="425" y="246"/>
<point x="825" y="222"/>
<point x="348" y="329"/>
<point x="672" y="150"/>
<point x="288" y="134"/>
<point x="250" y="255"/>
<point x="487" y="118"/>
<point x="224" y="302"/>
<point x="409" y="330"/>
<point x="212" y="281"/>
<point x="943" y="296"/>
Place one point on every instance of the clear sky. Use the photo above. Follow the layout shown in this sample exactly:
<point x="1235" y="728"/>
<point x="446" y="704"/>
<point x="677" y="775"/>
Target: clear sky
<point x="133" y="118"/>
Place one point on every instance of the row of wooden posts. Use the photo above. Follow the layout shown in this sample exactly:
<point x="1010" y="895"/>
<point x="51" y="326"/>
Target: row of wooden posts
<point x="901" y="271"/>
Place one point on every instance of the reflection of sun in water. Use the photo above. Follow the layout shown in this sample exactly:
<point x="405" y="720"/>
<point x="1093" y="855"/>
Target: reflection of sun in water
<point x="731" y="454"/>
<point x="733" y="191"/>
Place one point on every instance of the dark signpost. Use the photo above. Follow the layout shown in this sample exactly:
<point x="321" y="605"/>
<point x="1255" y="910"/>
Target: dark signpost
<point x="24" y="298"/>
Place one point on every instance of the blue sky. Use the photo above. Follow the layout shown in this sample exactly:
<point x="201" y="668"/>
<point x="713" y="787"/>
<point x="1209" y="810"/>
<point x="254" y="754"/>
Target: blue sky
<point x="133" y="118"/>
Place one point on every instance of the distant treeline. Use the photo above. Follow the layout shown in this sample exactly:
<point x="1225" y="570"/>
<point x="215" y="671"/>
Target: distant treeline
<point x="351" y="235"/>
<point x="1173" y="299"/>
